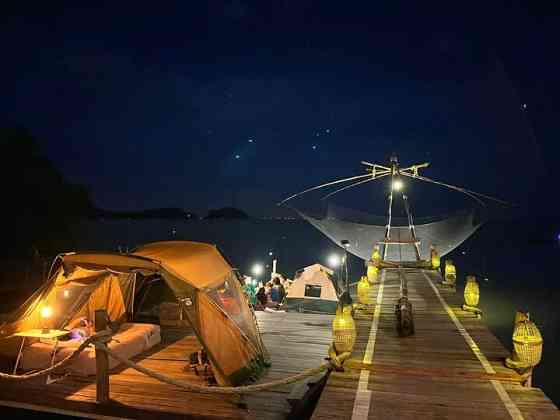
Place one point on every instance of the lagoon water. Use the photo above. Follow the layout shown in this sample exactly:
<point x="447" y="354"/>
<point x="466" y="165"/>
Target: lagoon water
<point x="514" y="272"/>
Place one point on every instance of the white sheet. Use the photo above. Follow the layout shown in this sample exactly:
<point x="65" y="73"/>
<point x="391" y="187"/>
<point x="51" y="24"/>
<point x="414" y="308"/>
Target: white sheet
<point x="131" y="340"/>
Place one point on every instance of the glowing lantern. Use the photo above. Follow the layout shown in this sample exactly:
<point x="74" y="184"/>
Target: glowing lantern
<point x="364" y="291"/>
<point x="344" y="329"/>
<point x="450" y="273"/>
<point x="472" y="292"/>
<point x="376" y="256"/>
<point x="372" y="272"/>
<point x="527" y="342"/>
<point x="46" y="313"/>
<point x="435" y="260"/>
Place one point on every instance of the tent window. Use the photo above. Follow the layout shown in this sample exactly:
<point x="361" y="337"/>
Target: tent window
<point x="312" y="290"/>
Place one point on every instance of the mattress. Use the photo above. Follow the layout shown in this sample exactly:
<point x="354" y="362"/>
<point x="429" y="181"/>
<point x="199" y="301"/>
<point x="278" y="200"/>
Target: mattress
<point x="131" y="340"/>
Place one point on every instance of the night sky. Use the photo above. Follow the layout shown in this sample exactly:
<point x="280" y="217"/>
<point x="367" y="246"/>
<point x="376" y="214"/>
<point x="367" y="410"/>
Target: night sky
<point x="244" y="103"/>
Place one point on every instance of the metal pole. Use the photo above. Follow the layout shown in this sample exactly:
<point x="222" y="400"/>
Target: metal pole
<point x="394" y="170"/>
<point x="346" y="270"/>
<point x="411" y="225"/>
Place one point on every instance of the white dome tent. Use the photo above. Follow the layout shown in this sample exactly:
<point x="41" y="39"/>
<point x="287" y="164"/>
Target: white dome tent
<point x="313" y="290"/>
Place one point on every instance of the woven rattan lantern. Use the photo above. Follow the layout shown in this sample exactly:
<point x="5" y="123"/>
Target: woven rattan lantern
<point x="364" y="291"/>
<point x="527" y="342"/>
<point x="376" y="256"/>
<point x="434" y="257"/>
<point x="450" y="273"/>
<point x="472" y="292"/>
<point x="344" y="329"/>
<point x="372" y="272"/>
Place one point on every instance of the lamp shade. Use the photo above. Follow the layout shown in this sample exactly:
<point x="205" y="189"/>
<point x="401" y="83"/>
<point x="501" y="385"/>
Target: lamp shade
<point x="376" y="255"/>
<point x="364" y="291"/>
<point x="472" y="291"/>
<point x="344" y="329"/>
<point x="450" y="269"/>
<point x="435" y="259"/>
<point x="527" y="342"/>
<point x="372" y="273"/>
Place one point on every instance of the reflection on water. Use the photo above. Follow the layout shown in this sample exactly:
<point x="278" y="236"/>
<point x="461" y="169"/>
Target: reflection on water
<point x="513" y="272"/>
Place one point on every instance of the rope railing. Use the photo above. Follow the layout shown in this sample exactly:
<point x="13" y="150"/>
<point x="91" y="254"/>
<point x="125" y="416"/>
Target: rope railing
<point x="99" y="339"/>
<point x="223" y="390"/>
<point x="94" y="339"/>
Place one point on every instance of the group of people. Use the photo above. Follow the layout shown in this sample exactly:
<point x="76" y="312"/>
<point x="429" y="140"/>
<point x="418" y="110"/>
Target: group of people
<point x="268" y="295"/>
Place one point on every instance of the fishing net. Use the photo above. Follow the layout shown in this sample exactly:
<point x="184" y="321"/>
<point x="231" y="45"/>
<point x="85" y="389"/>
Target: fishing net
<point x="363" y="231"/>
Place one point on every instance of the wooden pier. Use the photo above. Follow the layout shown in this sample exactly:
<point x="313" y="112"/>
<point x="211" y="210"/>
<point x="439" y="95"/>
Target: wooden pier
<point x="295" y="342"/>
<point x="452" y="367"/>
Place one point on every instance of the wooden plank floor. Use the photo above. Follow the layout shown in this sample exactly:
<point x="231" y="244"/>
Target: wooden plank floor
<point x="295" y="342"/>
<point x="433" y="374"/>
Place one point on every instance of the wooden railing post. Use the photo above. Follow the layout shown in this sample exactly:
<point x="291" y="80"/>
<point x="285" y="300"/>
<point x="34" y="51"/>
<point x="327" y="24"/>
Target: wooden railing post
<point x="101" y="360"/>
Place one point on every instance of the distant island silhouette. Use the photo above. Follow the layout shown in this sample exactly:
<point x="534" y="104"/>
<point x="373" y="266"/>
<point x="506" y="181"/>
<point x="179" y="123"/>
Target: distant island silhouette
<point x="226" y="213"/>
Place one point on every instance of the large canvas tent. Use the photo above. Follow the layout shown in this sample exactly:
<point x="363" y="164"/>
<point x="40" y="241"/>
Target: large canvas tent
<point x="313" y="290"/>
<point x="204" y="283"/>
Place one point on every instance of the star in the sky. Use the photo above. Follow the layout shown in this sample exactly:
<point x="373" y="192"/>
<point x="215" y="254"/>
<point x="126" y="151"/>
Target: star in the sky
<point x="314" y="147"/>
<point x="251" y="140"/>
<point x="237" y="156"/>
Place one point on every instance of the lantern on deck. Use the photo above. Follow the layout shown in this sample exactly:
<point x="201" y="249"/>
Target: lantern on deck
<point x="472" y="292"/>
<point x="364" y="291"/>
<point x="372" y="272"/>
<point x="450" y="273"/>
<point x="344" y="329"/>
<point x="376" y="256"/>
<point x="434" y="258"/>
<point x="527" y="342"/>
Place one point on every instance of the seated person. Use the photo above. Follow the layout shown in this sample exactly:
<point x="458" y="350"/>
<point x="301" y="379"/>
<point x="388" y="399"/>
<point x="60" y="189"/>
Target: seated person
<point x="82" y="331"/>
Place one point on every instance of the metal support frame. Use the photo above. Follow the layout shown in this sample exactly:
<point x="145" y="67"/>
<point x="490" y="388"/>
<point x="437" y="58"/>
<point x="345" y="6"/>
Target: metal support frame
<point x="395" y="174"/>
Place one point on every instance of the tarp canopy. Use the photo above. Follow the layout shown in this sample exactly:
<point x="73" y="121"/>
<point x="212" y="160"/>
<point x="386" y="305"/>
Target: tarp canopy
<point x="205" y="284"/>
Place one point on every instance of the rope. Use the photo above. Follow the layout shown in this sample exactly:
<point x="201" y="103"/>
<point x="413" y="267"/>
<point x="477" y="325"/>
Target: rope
<point x="67" y="360"/>
<point x="247" y="389"/>
<point x="104" y="336"/>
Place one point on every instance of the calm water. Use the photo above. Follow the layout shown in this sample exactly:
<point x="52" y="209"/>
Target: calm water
<point x="513" y="271"/>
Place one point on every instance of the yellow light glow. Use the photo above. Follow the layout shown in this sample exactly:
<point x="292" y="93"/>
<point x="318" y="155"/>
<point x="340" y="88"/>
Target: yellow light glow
<point x="257" y="269"/>
<point x="397" y="185"/>
<point x="46" y="312"/>
<point x="344" y="330"/>
<point x="66" y="293"/>
<point x="472" y="292"/>
<point x="334" y="261"/>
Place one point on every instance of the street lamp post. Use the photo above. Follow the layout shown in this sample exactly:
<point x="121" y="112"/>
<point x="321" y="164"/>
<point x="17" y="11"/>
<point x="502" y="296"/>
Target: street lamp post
<point x="345" y="243"/>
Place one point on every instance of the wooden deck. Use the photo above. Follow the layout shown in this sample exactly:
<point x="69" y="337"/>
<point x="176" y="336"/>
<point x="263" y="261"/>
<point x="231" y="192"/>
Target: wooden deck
<point x="451" y="368"/>
<point x="295" y="342"/>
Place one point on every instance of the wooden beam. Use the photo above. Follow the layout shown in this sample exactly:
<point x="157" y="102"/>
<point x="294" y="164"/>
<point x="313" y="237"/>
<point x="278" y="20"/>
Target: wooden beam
<point x="101" y="360"/>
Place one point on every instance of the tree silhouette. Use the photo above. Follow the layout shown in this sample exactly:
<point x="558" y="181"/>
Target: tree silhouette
<point x="39" y="204"/>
